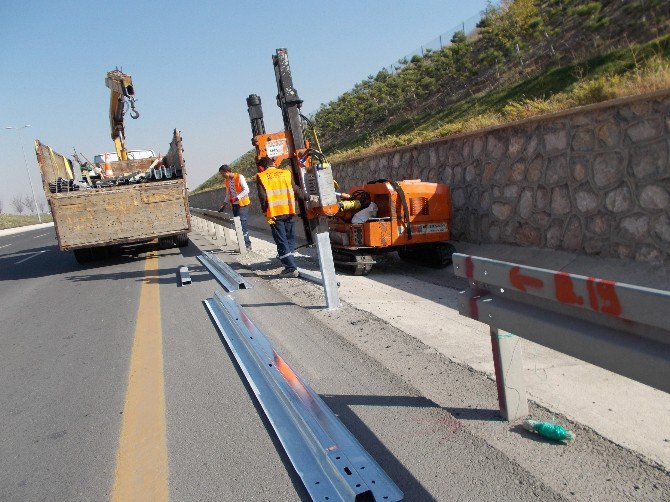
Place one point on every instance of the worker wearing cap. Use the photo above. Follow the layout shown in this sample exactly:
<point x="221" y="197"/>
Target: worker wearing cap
<point x="277" y="192"/>
<point x="237" y="195"/>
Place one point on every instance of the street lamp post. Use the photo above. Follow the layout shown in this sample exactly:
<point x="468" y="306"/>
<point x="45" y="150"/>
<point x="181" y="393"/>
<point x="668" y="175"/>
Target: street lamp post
<point x="25" y="161"/>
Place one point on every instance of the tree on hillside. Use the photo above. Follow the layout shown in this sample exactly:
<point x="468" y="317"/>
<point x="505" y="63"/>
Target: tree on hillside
<point x="17" y="203"/>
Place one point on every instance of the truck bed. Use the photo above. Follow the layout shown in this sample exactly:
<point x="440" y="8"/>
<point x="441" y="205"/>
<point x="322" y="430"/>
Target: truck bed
<point x="116" y="215"/>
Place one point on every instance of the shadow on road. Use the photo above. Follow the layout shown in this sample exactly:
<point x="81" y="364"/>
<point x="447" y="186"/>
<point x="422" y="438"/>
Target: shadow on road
<point x="405" y="480"/>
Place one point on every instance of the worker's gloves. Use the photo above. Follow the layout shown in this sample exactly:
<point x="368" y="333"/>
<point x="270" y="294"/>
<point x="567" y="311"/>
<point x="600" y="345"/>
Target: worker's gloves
<point x="314" y="199"/>
<point x="271" y="221"/>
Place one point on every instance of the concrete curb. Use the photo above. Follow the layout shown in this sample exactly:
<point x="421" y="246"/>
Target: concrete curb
<point x="26" y="228"/>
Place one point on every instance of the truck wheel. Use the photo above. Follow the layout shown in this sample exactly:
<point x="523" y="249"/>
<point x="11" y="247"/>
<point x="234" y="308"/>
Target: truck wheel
<point x="166" y="242"/>
<point x="83" y="255"/>
<point x="181" y="240"/>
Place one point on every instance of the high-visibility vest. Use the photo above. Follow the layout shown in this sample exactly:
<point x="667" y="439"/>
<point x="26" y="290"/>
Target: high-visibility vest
<point x="244" y="201"/>
<point x="279" y="190"/>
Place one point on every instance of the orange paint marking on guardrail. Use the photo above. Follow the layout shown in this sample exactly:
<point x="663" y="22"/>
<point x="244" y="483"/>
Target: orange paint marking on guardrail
<point x="520" y="281"/>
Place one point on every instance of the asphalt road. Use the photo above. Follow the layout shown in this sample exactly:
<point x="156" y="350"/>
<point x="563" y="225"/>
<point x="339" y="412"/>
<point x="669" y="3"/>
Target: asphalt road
<point x="69" y="338"/>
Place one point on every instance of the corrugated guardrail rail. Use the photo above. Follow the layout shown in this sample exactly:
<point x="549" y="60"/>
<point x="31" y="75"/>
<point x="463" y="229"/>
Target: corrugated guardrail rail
<point x="332" y="464"/>
<point x="214" y="223"/>
<point x="619" y="327"/>
<point x="226" y="276"/>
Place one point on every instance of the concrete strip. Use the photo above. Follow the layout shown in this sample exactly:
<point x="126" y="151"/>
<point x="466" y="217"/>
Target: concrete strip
<point x="27" y="228"/>
<point x="141" y="464"/>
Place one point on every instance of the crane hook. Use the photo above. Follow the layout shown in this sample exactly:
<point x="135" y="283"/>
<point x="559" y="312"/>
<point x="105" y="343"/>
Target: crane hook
<point x="133" y="112"/>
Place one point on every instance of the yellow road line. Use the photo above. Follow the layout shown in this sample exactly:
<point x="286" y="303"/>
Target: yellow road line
<point x="141" y="461"/>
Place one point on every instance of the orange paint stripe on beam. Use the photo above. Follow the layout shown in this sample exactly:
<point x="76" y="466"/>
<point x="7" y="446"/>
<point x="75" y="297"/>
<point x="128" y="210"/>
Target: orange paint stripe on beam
<point x="141" y="461"/>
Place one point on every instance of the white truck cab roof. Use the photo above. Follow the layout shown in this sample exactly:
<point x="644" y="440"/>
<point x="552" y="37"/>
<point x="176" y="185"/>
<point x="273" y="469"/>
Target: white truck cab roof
<point x="132" y="155"/>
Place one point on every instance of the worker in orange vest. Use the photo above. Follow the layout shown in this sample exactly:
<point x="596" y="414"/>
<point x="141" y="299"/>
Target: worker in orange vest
<point x="237" y="195"/>
<point x="277" y="192"/>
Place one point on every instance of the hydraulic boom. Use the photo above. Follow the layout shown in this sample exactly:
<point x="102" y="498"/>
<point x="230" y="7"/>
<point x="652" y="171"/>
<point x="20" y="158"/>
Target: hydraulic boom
<point x="122" y="91"/>
<point x="310" y="169"/>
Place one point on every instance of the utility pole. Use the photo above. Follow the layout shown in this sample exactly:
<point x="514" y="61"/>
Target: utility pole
<point x="25" y="161"/>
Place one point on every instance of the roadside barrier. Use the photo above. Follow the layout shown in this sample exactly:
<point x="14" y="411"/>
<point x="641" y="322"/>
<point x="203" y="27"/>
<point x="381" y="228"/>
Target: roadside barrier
<point x="226" y="276"/>
<point x="330" y="461"/>
<point x="215" y="224"/>
<point x="620" y="327"/>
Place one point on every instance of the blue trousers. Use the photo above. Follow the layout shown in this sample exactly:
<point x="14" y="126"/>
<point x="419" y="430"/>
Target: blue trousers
<point x="243" y="213"/>
<point x="284" y="236"/>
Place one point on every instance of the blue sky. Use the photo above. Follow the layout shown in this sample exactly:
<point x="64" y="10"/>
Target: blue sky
<point x="193" y="64"/>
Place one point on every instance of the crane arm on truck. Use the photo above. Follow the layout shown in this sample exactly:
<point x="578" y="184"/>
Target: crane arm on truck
<point x="122" y="91"/>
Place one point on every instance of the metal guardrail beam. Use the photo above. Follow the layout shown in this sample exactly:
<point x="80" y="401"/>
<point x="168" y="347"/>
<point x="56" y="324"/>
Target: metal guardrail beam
<point x="184" y="275"/>
<point x="226" y="276"/>
<point x="619" y="327"/>
<point x="330" y="461"/>
<point x="222" y="220"/>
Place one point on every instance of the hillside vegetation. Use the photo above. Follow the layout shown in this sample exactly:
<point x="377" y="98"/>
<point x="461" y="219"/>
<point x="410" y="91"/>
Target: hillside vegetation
<point x="526" y="58"/>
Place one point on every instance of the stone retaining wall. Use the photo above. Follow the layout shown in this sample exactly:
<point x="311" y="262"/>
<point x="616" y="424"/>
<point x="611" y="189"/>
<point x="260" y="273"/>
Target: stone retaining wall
<point x="211" y="199"/>
<point x="594" y="180"/>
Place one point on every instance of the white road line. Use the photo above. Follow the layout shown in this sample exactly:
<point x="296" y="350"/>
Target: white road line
<point x="31" y="256"/>
<point x="41" y="235"/>
<point x="6" y="245"/>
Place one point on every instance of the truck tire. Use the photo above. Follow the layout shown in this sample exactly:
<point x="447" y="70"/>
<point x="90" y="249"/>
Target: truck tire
<point x="166" y="242"/>
<point x="87" y="255"/>
<point x="181" y="240"/>
<point x="83" y="255"/>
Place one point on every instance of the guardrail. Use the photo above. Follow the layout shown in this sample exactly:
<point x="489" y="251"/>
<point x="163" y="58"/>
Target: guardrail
<point x="620" y="327"/>
<point x="226" y="276"/>
<point x="331" y="463"/>
<point x="215" y="223"/>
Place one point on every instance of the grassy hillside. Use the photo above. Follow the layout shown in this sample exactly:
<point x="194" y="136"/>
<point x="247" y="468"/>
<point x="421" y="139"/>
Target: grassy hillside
<point x="21" y="220"/>
<point x="634" y="70"/>
<point x="515" y="42"/>
<point x="244" y="164"/>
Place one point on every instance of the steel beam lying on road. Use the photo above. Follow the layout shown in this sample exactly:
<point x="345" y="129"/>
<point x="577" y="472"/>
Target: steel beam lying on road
<point x="184" y="275"/>
<point x="226" y="276"/>
<point x="619" y="327"/>
<point x="331" y="463"/>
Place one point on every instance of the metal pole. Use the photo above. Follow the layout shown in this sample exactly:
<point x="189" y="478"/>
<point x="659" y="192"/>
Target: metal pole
<point x="30" y="180"/>
<point x="508" y="366"/>
<point x="25" y="161"/>
<point x="240" y="235"/>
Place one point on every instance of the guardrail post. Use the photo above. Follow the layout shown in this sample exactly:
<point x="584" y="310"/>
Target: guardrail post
<point x="220" y="231"/>
<point x="240" y="236"/>
<point x="508" y="365"/>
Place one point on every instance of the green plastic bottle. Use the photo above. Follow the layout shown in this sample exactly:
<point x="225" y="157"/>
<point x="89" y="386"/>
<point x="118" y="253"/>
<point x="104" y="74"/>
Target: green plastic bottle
<point x="548" y="430"/>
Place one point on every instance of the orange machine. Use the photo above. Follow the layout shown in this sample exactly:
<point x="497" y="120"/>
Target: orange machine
<point x="413" y="218"/>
